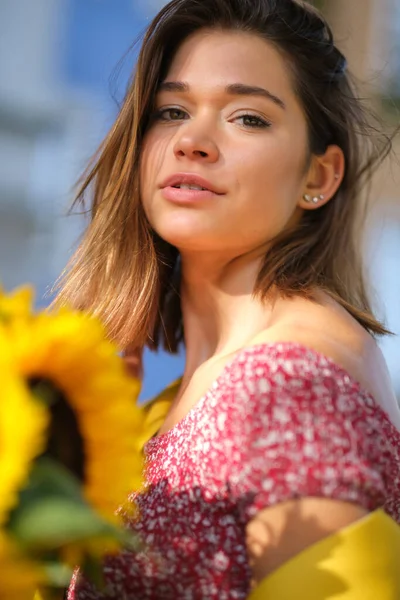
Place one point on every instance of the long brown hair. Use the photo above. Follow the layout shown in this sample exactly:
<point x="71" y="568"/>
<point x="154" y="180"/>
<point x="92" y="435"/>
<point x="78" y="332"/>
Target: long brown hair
<point x="126" y="274"/>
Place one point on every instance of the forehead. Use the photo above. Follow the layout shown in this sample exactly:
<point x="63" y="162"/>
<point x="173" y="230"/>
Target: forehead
<point x="213" y="58"/>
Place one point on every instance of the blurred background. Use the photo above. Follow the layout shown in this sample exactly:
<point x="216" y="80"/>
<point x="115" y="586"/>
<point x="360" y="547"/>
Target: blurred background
<point x="61" y="78"/>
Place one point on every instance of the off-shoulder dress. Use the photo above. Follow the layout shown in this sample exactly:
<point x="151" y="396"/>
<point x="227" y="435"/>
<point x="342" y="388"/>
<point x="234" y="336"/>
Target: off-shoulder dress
<point x="281" y="422"/>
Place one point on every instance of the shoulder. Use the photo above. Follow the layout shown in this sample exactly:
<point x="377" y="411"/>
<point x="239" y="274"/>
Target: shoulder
<point x="327" y="329"/>
<point x="300" y="393"/>
<point x="314" y="373"/>
<point x="332" y="336"/>
<point x="288" y="384"/>
<point x="299" y="426"/>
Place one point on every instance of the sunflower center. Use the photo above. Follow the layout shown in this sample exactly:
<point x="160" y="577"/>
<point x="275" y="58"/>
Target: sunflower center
<point x="65" y="442"/>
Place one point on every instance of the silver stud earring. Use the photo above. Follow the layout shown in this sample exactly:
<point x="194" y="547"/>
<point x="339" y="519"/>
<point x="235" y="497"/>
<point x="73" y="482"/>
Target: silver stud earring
<point x="315" y="199"/>
<point x="307" y="197"/>
<point x="337" y="175"/>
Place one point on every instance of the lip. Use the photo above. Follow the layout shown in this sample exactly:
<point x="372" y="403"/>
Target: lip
<point x="187" y="197"/>
<point x="190" y="179"/>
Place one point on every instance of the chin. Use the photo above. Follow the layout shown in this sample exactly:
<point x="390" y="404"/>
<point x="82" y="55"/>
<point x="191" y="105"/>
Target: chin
<point x="187" y="242"/>
<point x="187" y="233"/>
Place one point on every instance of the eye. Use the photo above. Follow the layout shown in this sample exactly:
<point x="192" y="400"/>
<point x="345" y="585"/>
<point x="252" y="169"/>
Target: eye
<point x="170" y="114"/>
<point x="253" y="121"/>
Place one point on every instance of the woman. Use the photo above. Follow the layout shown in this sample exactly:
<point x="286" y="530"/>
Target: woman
<point x="225" y="204"/>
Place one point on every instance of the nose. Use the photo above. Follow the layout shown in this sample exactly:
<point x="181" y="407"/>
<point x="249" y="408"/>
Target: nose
<point x="196" y="144"/>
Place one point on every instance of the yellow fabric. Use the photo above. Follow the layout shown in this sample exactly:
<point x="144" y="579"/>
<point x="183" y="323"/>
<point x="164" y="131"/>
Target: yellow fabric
<point x="156" y="410"/>
<point x="360" y="562"/>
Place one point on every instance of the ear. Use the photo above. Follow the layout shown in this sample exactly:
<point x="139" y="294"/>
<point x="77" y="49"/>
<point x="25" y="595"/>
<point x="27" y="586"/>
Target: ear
<point x="133" y="361"/>
<point x="324" y="177"/>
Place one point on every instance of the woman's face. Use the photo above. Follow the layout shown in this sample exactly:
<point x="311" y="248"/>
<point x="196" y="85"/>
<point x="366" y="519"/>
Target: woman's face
<point x="226" y="113"/>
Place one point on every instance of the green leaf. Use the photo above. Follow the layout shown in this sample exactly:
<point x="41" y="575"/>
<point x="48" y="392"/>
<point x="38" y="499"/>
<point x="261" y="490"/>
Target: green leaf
<point x="93" y="571"/>
<point x="54" y="521"/>
<point x="58" y="574"/>
<point x="49" y="478"/>
<point x="52" y="513"/>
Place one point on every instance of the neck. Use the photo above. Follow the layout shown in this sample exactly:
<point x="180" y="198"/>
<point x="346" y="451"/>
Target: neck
<point x="220" y="313"/>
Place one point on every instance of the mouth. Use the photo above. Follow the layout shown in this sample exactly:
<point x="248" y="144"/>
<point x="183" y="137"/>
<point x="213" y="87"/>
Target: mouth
<point x="186" y="186"/>
<point x="191" y="182"/>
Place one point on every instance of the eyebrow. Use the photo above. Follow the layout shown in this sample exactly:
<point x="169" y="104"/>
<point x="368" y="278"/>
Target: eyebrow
<point x="234" y="89"/>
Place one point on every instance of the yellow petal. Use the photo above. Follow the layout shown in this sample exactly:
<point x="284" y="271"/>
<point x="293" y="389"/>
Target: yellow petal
<point x="23" y="427"/>
<point x="16" y="305"/>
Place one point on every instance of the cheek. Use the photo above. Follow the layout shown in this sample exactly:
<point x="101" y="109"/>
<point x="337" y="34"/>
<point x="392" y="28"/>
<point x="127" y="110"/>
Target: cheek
<point x="268" y="179"/>
<point x="273" y="163"/>
<point x="268" y="176"/>
<point x="154" y="150"/>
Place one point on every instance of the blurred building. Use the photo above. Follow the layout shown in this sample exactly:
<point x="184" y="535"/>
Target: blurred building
<point x="56" y="59"/>
<point x="46" y="128"/>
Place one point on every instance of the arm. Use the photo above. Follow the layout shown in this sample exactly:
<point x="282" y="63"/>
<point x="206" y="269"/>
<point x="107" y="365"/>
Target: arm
<point x="280" y="532"/>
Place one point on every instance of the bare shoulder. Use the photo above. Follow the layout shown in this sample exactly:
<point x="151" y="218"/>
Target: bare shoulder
<point x="330" y="330"/>
<point x="327" y="328"/>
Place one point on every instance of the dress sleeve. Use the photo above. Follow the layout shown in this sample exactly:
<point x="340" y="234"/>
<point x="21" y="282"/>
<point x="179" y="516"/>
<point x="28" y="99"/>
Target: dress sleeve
<point x="301" y="426"/>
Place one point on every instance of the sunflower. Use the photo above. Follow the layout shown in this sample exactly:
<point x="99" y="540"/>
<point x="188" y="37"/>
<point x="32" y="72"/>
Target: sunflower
<point x="68" y="352"/>
<point x="23" y="424"/>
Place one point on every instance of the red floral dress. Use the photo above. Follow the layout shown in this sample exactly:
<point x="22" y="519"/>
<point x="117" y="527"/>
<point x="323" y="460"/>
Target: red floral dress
<point x="280" y="422"/>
